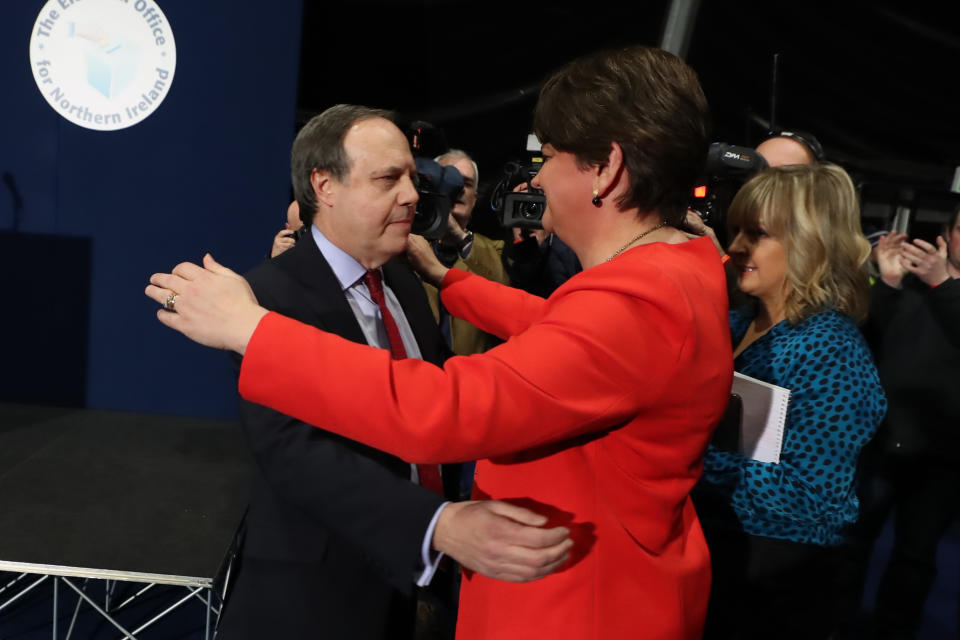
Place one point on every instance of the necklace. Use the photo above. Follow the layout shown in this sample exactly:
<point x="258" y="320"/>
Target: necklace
<point x="659" y="225"/>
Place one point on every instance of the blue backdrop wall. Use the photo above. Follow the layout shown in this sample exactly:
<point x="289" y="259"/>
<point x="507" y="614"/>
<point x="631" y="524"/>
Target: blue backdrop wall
<point x="87" y="216"/>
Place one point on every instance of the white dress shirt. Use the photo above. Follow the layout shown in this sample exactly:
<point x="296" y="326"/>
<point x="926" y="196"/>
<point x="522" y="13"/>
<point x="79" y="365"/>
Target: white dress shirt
<point x="350" y="274"/>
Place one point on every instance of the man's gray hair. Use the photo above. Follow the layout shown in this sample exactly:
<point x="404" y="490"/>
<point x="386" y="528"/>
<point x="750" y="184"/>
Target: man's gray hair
<point x="454" y="154"/>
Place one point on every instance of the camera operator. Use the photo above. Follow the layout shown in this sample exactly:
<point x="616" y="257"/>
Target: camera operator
<point x="468" y="251"/>
<point x="538" y="261"/>
<point x="785" y="146"/>
<point x="780" y="147"/>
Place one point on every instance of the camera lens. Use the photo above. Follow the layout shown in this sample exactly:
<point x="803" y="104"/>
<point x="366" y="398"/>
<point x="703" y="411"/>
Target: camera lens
<point x="531" y="210"/>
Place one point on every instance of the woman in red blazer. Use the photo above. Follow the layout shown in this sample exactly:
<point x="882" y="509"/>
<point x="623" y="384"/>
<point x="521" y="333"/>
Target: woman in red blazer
<point x="597" y="408"/>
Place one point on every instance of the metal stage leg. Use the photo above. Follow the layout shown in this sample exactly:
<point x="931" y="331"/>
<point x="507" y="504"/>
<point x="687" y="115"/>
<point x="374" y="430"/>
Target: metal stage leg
<point x="232" y="558"/>
<point x="112" y="590"/>
<point x="76" y="610"/>
<point x="56" y="602"/>
<point x="210" y="626"/>
<point x="226" y="578"/>
<point x="206" y="628"/>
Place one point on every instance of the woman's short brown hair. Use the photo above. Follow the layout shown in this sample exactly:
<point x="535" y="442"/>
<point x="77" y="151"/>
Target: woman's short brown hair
<point x="650" y="103"/>
<point x="814" y="211"/>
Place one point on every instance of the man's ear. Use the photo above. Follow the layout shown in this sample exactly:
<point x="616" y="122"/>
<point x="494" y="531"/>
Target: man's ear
<point x="324" y="187"/>
<point x="608" y="175"/>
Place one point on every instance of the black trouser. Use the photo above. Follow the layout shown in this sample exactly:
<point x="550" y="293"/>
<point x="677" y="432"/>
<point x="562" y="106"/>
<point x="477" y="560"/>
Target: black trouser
<point x="767" y="588"/>
<point x="924" y="493"/>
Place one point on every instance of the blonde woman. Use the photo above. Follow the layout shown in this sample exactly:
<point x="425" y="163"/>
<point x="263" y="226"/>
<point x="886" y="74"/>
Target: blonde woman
<point x="774" y="529"/>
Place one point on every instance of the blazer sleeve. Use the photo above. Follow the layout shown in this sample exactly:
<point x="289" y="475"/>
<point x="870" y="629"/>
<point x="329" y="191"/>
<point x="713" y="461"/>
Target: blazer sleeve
<point x="324" y="477"/>
<point x="490" y="306"/>
<point x="594" y="362"/>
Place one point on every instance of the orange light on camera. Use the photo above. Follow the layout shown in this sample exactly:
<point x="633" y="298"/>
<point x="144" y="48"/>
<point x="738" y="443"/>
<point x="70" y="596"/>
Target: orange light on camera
<point x="700" y="192"/>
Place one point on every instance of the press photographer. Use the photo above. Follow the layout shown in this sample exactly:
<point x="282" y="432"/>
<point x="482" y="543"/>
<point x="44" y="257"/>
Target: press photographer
<point x="459" y="247"/>
<point x="518" y="204"/>
<point x="537" y="261"/>
<point x="438" y="187"/>
<point x="790" y="146"/>
<point x="291" y="232"/>
<point x="727" y="168"/>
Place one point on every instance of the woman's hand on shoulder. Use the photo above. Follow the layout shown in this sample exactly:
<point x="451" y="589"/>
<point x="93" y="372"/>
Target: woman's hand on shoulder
<point x="424" y="261"/>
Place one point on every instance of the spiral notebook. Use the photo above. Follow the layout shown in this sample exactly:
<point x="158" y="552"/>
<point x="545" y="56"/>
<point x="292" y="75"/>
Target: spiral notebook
<point x="762" y="418"/>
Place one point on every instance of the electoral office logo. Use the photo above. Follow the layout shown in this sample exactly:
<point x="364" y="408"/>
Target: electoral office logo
<point x="103" y="64"/>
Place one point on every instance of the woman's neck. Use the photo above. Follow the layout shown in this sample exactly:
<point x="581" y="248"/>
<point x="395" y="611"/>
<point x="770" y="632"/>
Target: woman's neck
<point x="627" y="231"/>
<point x="773" y="310"/>
<point x="767" y="317"/>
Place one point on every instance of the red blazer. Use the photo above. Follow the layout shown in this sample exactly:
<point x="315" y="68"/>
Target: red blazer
<point x="596" y="410"/>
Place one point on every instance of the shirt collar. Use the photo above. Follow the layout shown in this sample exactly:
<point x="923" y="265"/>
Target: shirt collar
<point x="345" y="267"/>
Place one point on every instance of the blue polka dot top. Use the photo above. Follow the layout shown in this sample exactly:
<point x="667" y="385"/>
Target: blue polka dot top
<point x="836" y="404"/>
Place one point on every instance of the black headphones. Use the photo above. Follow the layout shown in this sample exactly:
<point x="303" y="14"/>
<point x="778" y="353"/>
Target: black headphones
<point x="806" y="139"/>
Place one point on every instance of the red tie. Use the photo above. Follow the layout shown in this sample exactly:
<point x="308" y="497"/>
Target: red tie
<point x="429" y="473"/>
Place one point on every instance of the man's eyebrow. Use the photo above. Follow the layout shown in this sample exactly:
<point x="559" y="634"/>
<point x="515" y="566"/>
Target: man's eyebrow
<point x="388" y="171"/>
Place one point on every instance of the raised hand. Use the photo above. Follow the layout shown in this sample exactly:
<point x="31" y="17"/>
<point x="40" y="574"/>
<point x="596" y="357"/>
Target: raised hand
<point x="693" y="226"/>
<point x="888" y="258"/>
<point x="282" y="241"/>
<point x="927" y="262"/>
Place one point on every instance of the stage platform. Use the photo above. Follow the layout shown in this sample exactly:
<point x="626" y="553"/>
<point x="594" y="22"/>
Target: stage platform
<point x="118" y="497"/>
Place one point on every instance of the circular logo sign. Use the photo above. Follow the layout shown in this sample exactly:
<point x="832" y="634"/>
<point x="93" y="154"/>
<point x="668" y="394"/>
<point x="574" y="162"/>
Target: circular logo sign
<point x="103" y="64"/>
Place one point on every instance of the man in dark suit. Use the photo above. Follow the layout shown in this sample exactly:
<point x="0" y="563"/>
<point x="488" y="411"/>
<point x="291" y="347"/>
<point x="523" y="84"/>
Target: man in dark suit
<point x="337" y="535"/>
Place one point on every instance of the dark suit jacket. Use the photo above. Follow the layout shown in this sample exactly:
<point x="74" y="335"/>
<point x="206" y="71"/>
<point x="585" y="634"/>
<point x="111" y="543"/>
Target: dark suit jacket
<point x="333" y="532"/>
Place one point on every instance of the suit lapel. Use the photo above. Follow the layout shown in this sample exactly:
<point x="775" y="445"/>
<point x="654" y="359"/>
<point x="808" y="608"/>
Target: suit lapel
<point x="327" y="300"/>
<point x="324" y="295"/>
